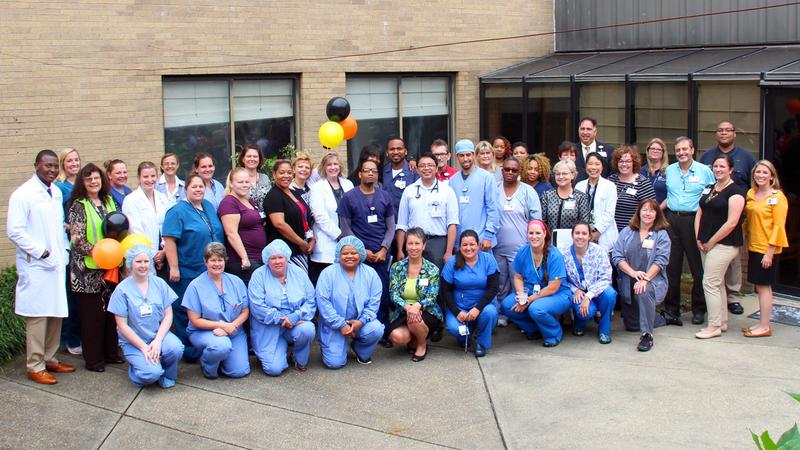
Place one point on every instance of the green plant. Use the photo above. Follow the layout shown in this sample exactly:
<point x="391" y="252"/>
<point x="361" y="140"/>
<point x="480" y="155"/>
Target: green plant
<point x="287" y="152"/>
<point x="12" y="326"/>
<point x="790" y="440"/>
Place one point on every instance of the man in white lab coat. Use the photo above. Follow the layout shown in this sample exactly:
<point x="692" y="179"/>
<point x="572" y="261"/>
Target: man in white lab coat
<point x="35" y="226"/>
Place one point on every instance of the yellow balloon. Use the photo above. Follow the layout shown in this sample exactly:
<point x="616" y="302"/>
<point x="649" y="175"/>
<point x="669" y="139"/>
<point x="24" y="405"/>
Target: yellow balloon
<point x="134" y="239"/>
<point x="331" y="134"/>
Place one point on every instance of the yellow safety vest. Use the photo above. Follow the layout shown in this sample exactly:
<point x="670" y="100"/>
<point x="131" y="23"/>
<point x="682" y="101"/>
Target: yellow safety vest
<point x="94" y="225"/>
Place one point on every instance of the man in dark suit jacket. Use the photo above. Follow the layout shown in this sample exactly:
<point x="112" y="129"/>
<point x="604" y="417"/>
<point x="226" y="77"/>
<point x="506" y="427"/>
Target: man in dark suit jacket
<point x="587" y="133"/>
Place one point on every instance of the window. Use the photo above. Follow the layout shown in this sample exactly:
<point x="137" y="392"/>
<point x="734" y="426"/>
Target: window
<point x="198" y="118"/>
<point x="738" y="102"/>
<point x="503" y="109"/>
<point x="548" y="117"/>
<point x="662" y="111"/>
<point x="417" y="108"/>
<point x="606" y="103"/>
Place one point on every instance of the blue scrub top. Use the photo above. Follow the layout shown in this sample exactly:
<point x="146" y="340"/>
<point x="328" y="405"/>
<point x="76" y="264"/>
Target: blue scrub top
<point x="119" y="197"/>
<point x="555" y="269"/>
<point x="390" y="183"/>
<point x="127" y="300"/>
<point x="203" y="297"/>
<point x="481" y="213"/>
<point x="357" y="206"/>
<point x="659" y="182"/>
<point x="66" y="192"/>
<point x="190" y="228"/>
<point x="270" y="300"/>
<point x="215" y="193"/>
<point x="469" y="282"/>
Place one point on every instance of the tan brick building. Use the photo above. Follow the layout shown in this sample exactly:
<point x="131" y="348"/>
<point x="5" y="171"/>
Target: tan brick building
<point x="91" y="74"/>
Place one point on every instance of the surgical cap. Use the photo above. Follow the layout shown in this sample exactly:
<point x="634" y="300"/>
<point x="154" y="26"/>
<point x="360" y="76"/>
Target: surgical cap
<point x="134" y="251"/>
<point x="464" y="145"/>
<point x="354" y="242"/>
<point x="276" y="248"/>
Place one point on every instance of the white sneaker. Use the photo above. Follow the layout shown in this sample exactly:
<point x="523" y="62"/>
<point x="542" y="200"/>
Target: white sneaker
<point x="502" y="321"/>
<point x="75" y="350"/>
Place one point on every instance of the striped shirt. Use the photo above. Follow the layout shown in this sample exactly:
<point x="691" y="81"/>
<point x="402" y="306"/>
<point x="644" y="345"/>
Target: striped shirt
<point x="629" y="195"/>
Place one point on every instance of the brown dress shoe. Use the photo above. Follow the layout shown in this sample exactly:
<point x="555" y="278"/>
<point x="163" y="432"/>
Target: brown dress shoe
<point x="42" y="377"/>
<point x="60" y="367"/>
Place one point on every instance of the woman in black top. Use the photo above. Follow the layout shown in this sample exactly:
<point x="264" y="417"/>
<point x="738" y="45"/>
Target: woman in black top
<point x="718" y="226"/>
<point x="564" y="206"/>
<point x="288" y="215"/>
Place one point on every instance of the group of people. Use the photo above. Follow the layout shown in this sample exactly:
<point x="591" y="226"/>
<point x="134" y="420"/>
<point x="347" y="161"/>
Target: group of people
<point x="393" y="255"/>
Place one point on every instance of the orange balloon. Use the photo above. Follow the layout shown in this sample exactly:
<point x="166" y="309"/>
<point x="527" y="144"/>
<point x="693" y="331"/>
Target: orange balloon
<point x="793" y="106"/>
<point x="107" y="253"/>
<point x="350" y="127"/>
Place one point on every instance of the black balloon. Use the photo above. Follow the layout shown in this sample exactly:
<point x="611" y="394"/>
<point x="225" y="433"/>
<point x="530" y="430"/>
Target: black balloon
<point x="115" y="226"/>
<point x="338" y="109"/>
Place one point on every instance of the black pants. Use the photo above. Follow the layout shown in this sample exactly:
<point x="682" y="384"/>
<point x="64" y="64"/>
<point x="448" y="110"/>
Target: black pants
<point x="314" y="270"/>
<point x="684" y="242"/>
<point x="98" y="331"/>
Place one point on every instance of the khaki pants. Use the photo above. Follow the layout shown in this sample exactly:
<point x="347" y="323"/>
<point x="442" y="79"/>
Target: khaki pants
<point x="42" y="337"/>
<point x="733" y="277"/>
<point x="715" y="263"/>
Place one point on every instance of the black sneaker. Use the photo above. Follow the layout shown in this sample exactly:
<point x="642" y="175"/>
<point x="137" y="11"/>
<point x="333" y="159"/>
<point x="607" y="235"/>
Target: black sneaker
<point x="672" y="319"/>
<point x="358" y="358"/>
<point x="698" y="318"/>
<point x="735" y="308"/>
<point x="645" y="343"/>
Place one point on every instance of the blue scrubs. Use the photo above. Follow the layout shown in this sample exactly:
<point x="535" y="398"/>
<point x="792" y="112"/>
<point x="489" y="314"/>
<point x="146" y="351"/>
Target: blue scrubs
<point x="119" y="197"/>
<point x="145" y="314"/>
<point x="397" y="184"/>
<point x="215" y="193"/>
<point x="193" y="230"/>
<point x="269" y="301"/>
<point x="71" y="325"/>
<point x="541" y="314"/>
<point x="226" y="353"/>
<point x="469" y="286"/>
<point x="340" y="299"/>
<point x="477" y="203"/>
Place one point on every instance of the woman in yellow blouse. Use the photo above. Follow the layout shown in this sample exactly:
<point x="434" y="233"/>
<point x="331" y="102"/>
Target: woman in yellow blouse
<point x="765" y="230"/>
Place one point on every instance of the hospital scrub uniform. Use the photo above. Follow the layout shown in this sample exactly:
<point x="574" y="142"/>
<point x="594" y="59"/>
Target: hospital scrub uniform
<point x="469" y="289"/>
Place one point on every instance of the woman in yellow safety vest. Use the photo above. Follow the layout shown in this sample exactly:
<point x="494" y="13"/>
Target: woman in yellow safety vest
<point x="89" y="205"/>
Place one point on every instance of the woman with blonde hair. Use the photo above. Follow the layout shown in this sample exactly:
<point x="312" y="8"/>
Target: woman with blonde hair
<point x="536" y="172"/>
<point x="655" y="169"/>
<point x="302" y="167"/>
<point x="70" y="162"/>
<point x="765" y="231"/>
<point x="485" y="154"/>
<point x="241" y="221"/>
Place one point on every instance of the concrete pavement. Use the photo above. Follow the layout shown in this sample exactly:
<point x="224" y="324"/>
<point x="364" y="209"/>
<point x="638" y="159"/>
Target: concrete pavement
<point x="685" y="393"/>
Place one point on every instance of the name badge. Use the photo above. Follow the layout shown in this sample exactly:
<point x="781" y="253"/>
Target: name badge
<point x="145" y="310"/>
<point x="602" y="153"/>
<point x="400" y="184"/>
<point x="630" y="191"/>
<point x="706" y="191"/>
<point x="648" y="244"/>
<point x="536" y="288"/>
<point x="263" y="215"/>
<point x="423" y="282"/>
<point x="435" y="212"/>
<point x="508" y="207"/>
<point x="569" y="204"/>
<point x="464" y="199"/>
<point x="772" y="201"/>
<point x="372" y="218"/>
<point x="694" y="179"/>
<point x="309" y="234"/>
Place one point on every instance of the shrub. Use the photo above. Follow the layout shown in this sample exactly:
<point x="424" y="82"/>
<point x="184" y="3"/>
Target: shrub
<point x="12" y="327"/>
<point x="788" y="441"/>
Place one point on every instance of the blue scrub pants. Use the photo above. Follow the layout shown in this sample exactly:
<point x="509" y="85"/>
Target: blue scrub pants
<point x="334" y="355"/>
<point x="142" y="372"/>
<point x="180" y="320"/>
<point x="482" y="327"/>
<point x="540" y="315"/>
<point x="383" y="311"/>
<point x="603" y="303"/>
<point x="300" y="336"/>
<point x="222" y="353"/>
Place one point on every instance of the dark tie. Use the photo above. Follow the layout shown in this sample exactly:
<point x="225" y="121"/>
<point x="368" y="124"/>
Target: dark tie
<point x="49" y="192"/>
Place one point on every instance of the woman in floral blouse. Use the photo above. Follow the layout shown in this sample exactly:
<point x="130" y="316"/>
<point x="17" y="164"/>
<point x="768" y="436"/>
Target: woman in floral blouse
<point x="413" y="287"/>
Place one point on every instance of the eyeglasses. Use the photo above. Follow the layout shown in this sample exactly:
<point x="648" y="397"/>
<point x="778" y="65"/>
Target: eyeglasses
<point x="369" y="170"/>
<point x="656" y="149"/>
<point x="625" y="162"/>
<point x="510" y="170"/>
<point x="426" y="166"/>
<point x="440" y="155"/>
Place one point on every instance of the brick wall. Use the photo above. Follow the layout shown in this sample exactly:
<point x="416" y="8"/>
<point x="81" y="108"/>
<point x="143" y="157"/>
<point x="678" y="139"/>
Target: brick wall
<point x="88" y="74"/>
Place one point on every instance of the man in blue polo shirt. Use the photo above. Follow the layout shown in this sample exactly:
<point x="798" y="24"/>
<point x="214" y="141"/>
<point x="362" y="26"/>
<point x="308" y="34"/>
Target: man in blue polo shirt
<point x="686" y="180"/>
<point x="743" y="162"/>
<point x="396" y="174"/>
<point x="367" y="213"/>
<point x="477" y="193"/>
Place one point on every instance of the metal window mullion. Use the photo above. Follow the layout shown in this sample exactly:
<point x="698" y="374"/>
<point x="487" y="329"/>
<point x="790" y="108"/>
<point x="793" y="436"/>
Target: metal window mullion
<point x="525" y="110"/>
<point x="231" y="120"/>
<point x="400" y="106"/>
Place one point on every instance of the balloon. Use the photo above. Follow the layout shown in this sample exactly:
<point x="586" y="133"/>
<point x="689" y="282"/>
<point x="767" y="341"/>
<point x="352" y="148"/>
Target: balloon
<point x="107" y="253"/>
<point x="115" y="226"/>
<point x="331" y="134"/>
<point x="134" y="239"/>
<point x="793" y="106"/>
<point x="350" y="127"/>
<point x="338" y="109"/>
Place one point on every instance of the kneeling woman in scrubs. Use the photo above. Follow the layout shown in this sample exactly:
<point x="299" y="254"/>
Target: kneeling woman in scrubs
<point x="217" y="305"/>
<point x="142" y="307"/>
<point x="348" y="298"/>
<point x="282" y="305"/>
<point x="542" y="293"/>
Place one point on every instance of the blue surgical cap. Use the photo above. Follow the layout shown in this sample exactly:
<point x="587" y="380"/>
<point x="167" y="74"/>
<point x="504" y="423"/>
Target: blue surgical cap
<point x="464" y="145"/>
<point x="276" y="248"/>
<point x="354" y="242"/>
<point x="134" y="251"/>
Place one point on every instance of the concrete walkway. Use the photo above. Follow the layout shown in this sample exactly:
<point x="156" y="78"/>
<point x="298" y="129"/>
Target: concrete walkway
<point x="683" y="394"/>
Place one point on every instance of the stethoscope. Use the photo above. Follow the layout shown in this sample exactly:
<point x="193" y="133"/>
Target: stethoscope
<point x="435" y="189"/>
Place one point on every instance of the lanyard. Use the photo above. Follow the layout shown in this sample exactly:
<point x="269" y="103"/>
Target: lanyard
<point x="578" y="265"/>
<point x="535" y="270"/>
<point x="205" y="219"/>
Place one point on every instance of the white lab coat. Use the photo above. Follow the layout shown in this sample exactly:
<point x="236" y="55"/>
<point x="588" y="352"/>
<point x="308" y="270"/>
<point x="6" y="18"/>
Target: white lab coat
<point x="605" y="202"/>
<point x="35" y="224"/>
<point x="326" y="219"/>
<point x="143" y="218"/>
